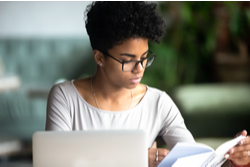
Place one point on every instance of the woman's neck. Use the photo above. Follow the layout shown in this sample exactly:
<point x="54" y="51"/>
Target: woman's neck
<point x="108" y="96"/>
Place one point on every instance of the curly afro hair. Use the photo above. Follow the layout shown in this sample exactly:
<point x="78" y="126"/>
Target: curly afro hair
<point x="110" y="23"/>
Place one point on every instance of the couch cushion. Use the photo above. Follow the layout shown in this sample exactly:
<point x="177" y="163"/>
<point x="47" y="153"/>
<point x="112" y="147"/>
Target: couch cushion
<point x="214" y="109"/>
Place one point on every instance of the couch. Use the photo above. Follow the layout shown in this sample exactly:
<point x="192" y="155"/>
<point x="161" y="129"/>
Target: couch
<point x="214" y="110"/>
<point x="36" y="64"/>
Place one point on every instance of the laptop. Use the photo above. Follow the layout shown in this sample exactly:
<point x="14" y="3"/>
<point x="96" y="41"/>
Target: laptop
<point x="95" y="148"/>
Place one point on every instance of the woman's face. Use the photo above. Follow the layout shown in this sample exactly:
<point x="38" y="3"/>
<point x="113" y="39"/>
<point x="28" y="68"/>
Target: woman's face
<point x="130" y="49"/>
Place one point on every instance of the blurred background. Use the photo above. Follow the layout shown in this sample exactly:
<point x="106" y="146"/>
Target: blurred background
<point x="202" y="62"/>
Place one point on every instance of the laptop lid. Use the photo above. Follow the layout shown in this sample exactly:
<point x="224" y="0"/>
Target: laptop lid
<point x="97" y="148"/>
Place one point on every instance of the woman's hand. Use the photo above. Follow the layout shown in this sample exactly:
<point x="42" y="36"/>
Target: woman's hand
<point x="153" y="158"/>
<point x="240" y="154"/>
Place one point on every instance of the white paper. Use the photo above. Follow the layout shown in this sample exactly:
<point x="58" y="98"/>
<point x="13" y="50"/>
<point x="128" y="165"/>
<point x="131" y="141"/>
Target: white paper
<point x="193" y="160"/>
<point x="182" y="150"/>
<point x="222" y="150"/>
<point x="192" y="150"/>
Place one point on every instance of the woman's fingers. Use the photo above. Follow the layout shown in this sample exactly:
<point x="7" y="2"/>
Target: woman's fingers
<point x="240" y="154"/>
<point x="156" y="155"/>
<point x="243" y="133"/>
<point x="162" y="153"/>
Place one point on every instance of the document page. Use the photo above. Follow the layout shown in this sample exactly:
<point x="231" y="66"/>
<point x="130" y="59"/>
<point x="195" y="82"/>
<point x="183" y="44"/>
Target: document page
<point x="182" y="150"/>
<point x="222" y="150"/>
<point x="193" y="160"/>
<point x="191" y="153"/>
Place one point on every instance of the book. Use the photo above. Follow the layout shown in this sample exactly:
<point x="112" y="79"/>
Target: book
<point x="198" y="155"/>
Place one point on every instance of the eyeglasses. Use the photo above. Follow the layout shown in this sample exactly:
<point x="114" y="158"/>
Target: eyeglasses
<point x="131" y="65"/>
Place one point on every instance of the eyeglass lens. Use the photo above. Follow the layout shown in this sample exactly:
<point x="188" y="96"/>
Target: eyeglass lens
<point x="129" y="66"/>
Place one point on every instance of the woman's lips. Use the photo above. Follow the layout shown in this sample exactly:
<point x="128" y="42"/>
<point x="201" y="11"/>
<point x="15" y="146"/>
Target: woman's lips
<point x="136" y="80"/>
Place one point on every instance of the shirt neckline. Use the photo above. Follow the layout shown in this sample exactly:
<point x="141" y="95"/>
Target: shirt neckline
<point x="111" y="112"/>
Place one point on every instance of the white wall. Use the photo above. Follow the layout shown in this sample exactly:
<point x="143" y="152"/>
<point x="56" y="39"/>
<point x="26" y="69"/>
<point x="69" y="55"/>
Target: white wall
<point x="42" y="19"/>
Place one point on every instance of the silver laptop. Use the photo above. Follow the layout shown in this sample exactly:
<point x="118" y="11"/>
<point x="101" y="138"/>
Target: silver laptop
<point x="105" y="148"/>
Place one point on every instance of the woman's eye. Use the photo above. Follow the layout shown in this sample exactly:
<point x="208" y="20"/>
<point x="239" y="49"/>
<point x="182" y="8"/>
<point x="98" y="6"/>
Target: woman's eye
<point x="127" y="61"/>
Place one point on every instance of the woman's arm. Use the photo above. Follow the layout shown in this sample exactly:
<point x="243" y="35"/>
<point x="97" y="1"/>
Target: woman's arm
<point x="58" y="115"/>
<point x="172" y="129"/>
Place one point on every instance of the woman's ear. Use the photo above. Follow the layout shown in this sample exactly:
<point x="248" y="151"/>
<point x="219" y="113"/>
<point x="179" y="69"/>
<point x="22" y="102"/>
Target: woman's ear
<point x="99" y="57"/>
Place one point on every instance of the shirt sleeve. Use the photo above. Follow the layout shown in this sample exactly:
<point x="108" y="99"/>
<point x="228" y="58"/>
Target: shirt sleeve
<point x="58" y="115"/>
<point x="173" y="128"/>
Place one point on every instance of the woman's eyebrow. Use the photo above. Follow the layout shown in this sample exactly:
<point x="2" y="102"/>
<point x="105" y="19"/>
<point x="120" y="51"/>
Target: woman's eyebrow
<point x="131" y="55"/>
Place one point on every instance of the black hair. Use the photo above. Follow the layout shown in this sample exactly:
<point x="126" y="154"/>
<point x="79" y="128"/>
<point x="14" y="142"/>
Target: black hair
<point x="110" y="23"/>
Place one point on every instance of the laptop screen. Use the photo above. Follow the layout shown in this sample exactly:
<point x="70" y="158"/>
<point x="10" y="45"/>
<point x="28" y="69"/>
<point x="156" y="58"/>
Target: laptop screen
<point x="97" y="148"/>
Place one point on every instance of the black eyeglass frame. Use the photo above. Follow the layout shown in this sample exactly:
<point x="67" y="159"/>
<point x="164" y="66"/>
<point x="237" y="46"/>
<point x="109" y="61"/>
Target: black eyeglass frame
<point x="137" y="61"/>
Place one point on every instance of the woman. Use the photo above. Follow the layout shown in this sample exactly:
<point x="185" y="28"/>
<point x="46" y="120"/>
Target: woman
<point x="114" y="98"/>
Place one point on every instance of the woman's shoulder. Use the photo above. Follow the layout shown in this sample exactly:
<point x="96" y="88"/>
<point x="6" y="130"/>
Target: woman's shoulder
<point x="63" y="89"/>
<point x="156" y="93"/>
<point x="63" y="85"/>
<point x="70" y="84"/>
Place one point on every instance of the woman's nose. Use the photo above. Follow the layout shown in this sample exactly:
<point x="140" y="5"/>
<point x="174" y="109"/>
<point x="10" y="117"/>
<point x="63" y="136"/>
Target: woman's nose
<point x="138" y="67"/>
